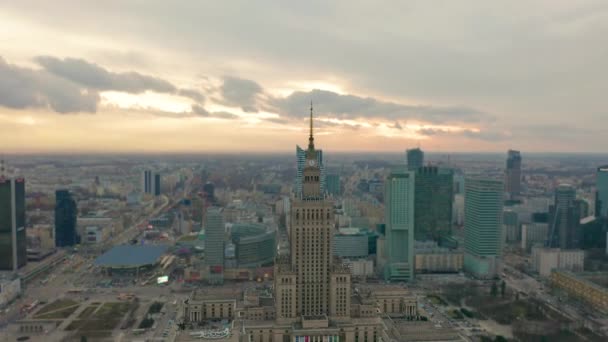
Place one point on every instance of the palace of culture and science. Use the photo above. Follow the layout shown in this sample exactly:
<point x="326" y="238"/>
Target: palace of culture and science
<point x="313" y="299"/>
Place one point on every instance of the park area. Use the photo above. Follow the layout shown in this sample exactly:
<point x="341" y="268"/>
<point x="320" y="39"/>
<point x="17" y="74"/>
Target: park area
<point x="59" y="309"/>
<point x="99" y="319"/>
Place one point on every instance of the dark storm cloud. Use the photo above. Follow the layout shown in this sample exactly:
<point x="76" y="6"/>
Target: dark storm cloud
<point x="356" y="107"/>
<point x="27" y="88"/>
<point x="93" y="76"/>
<point x="241" y="93"/>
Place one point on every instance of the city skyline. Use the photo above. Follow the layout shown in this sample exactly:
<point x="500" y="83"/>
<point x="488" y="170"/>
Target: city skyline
<point x="237" y="78"/>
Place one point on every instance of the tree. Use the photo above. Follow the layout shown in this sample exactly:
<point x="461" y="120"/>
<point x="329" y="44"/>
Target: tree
<point x="503" y="289"/>
<point x="83" y="339"/>
<point x="500" y="338"/>
<point x="494" y="291"/>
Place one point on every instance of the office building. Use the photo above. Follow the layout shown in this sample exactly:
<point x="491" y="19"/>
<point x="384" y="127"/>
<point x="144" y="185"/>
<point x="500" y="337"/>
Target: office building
<point x="564" y="219"/>
<point x="482" y="226"/>
<point x="533" y="234"/>
<point x="13" y="240"/>
<point x="156" y="189"/>
<point x="399" y="218"/>
<point x="545" y="260"/>
<point x="334" y="187"/>
<point x="601" y="193"/>
<point x="209" y="191"/>
<point x="430" y="258"/>
<point x="510" y="222"/>
<point x="513" y="174"/>
<point x="214" y="245"/>
<point x="434" y="196"/>
<point x="146" y="181"/>
<point x="151" y="183"/>
<point x="350" y="243"/>
<point x="301" y="164"/>
<point x="10" y="288"/>
<point x="583" y="208"/>
<point x="66" y="213"/>
<point x="415" y="158"/>
<point x="255" y="245"/>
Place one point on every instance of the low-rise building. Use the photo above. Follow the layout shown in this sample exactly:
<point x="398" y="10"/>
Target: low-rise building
<point x="533" y="234"/>
<point x="202" y="306"/>
<point x="350" y="243"/>
<point x="361" y="268"/>
<point x="10" y="288"/>
<point x="546" y="260"/>
<point x="430" y="258"/>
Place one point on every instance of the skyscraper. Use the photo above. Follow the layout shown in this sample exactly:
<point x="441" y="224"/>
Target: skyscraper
<point x="13" y="254"/>
<point x="301" y="164"/>
<point x="146" y="181"/>
<point x="399" y="217"/>
<point x="151" y="182"/>
<point x="601" y="194"/>
<point x="156" y="185"/>
<point x="564" y="219"/>
<point x="482" y="226"/>
<point x="309" y="285"/>
<point x="214" y="245"/>
<point x="513" y="174"/>
<point x="415" y="158"/>
<point x="434" y="196"/>
<point x="65" y="219"/>
<point x="333" y="184"/>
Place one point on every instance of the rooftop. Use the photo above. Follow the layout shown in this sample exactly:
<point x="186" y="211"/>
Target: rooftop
<point x="125" y="256"/>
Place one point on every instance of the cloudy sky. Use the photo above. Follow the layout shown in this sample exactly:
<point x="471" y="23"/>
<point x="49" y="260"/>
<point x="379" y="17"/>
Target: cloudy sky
<point x="231" y="76"/>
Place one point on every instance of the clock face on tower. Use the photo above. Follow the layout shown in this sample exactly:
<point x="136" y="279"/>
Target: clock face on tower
<point x="311" y="162"/>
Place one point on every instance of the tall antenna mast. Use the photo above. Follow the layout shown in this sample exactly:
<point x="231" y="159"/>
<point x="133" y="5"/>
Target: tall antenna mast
<point x="311" y="139"/>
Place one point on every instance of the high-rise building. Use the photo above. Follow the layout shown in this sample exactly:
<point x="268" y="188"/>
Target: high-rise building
<point x="583" y="208"/>
<point x="415" y="158"/>
<point x="146" y="181"/>
<point x="482" y="226"/>
<point x="601" y="194"/>
<point x="13" y="242"/>
<point x="209" y="192"/>
<point x="151" y="183"/>
<point x="309" y="285"/>
<point x="301" y="164"/>
<point x="65" y="219"/>
<point x="513" y="174"/>
<point x="333" y="184"/>
<point x="215" y="237"/>
<point x="434" y="196"/>
<point x="156" y="185"/>
<point x="399" y="217"/>
<point x="564" y="219"/>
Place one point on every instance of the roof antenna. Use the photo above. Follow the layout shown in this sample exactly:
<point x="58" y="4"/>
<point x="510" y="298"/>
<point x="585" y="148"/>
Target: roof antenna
<point x="311" y="139"/>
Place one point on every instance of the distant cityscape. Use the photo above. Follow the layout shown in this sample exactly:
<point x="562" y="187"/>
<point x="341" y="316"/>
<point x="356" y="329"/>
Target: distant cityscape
<point x="320" y="247"/>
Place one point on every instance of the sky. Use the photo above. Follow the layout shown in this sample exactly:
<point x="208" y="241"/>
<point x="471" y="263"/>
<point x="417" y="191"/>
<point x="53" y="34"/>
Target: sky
<point x="239" y="76"/>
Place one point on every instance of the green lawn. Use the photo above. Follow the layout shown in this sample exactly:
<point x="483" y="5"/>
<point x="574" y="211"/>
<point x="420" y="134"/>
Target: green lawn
<point x="455" y="314"/>
<point x="60" y="305"/>
<point x="106" y="318"/>
<point x="88" y="311"/>
<point x="435" y="299"/>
